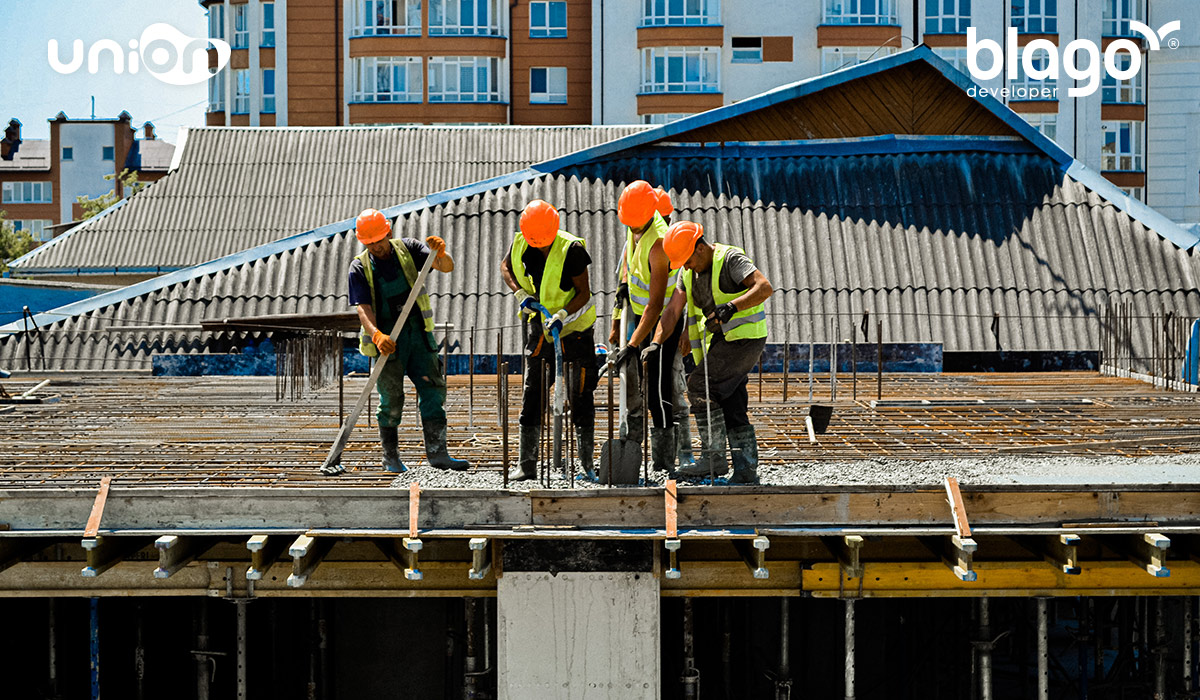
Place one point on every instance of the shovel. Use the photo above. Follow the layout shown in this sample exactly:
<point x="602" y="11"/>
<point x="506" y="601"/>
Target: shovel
<point x="559" y="392"/>
<point x="621" y="458"/>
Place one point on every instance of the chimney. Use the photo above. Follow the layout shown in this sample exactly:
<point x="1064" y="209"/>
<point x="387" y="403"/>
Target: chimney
<point x="12" y="140"/>
<point x="149" y="131"/>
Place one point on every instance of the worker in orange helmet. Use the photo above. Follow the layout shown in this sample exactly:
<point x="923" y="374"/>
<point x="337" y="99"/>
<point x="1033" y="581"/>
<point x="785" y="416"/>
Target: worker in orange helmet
<point x="549" y="266"/>
<point x="380" y="280"/>
<point x="647" y="284"/>
<point x="721" y="294"/>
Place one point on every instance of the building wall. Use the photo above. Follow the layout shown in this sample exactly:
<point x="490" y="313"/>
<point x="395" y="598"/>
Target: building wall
<point x="315" y="59"/>
<point x="572" y="52"/>
<point x="84" y="174"/>
<point x="1173" y="151"/>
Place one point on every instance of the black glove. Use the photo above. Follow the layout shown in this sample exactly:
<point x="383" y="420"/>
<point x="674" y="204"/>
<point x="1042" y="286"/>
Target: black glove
<point x="622" y="356"/>
<point x="725" y="312"/>
<point x="650" y="351"/>
<point x="622" y="295"/>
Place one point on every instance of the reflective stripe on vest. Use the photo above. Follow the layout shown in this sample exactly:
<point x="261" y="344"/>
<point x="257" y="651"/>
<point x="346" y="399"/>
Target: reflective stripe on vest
<point x="365" y="346"/>
<point x="637" y="263"/>
<point x="748" y="323"/>
<point x="551" y="295"/>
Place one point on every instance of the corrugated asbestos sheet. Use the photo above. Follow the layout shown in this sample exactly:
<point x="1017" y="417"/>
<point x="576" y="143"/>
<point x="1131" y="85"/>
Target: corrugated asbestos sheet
<point x="933" y="244"/>
<point x="237" y="188"/>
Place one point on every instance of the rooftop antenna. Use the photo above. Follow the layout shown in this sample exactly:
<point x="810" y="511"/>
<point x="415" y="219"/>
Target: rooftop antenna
<point x="93" y="106"/>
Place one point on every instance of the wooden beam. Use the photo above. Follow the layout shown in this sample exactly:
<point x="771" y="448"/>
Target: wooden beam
<point x="754" y="553"/>
<point x="265" y="550"/>
<point x="93" y="522"/>
<point x="671" y="498"/>
<point x="412" y="546"/>
<point x="307" y="553"/>
<point x="414" y="507"/>
<point x="14" y="549"/>
<point x="1060" y="550"/>
<point x="1148" y="550"/>
<point x="481" y="558"/>
<point x="105" y="552"/>
<point x="1187" y="545"/>
<point x="956" y="552"/>
<point x="672" y="547"/>
<point x="175" y="552"/>
<point x="957" y="510"/>
<point x="847" y="550"/>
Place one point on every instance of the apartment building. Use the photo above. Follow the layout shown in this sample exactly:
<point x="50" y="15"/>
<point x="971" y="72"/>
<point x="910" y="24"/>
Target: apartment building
<point x="332" y="62"/>
<point x="40" y="178"/>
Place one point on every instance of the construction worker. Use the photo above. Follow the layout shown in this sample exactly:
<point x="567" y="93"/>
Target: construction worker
<point x="721" y="294"/>
<point x="380" y="280"/>
<point x="649" y="283"/>
<point x="548" y="266"/>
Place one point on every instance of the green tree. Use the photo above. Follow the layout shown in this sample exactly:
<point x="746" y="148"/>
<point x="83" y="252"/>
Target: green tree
<point x="92" y="206"/>
<point x="13" y="243"/>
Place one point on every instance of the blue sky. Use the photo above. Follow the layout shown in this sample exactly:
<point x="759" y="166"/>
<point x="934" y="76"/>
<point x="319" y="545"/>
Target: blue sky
<point x="33" y="92"/>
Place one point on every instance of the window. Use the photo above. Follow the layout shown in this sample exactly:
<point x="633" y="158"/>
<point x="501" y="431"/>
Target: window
<point x="386" y="17"/>
<point x="268" y="90"/>
<point x="547" y="19"/>
<point x="860" y="12"/>
<point x="1130" y="91"/>
<point x="1045" y="123"/>
<point x="837" y="57"/>
<point x="1119" y="13"/>
<point x="26" y="193"/>
<point x="268" y="28"/>
<point x="656" y="13"/>
<point x="1138" y="193"/>
<point x="947" y="16"/>
<point x="241" y="29"/>
<point x="680" y="69"/>
<point x="1122" y="146"/>
<point x="1025" y="88"/>
<point x="388" y="79"/>
<point x="35" y="227"/>
<point x="464" y="79"/>
<point x="108" y="153"/>
<point x="464" y="17"/>
<point x="747" y="49"/>
<point x="954" y="55"/>
<point x="216" y="21"/>
<point x="548" y="86"/>
<point x="216" y="92"/>
<point x="68" y="153"/>
<point x="1035" y="16"/>
<point x="665" y="118"/>
<point x="241" y="94"/>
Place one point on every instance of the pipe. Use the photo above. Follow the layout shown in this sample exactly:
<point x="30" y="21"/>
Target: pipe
<point x="323" y="651"/>
<point x="1188" y="658"/>
<point x="471" y="662"/>
<point x="94" y="638"/>
<point x="832" y="360"/>
<point x="1043" y="649"/>
<point x="203" y="661"/>
<point x="984" y="650"/>
<point x="726" y="649"/>
<point x="783" y="682"/>
<point x="850" y="629"/>
<point x="241" y="648"/>
<point x="1160" y="649"/>
<point x="139" y="656"/>
<point x="690" y="680"/>
<point x="53" y="655"/>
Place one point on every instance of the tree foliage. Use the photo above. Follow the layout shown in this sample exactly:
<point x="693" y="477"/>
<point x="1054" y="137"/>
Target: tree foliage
<point x="92" y="206"/>
<point x="13" y="243"/>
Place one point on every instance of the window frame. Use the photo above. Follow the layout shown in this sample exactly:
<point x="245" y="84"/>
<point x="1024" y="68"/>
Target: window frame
<point x="1138" y="193"/>
<point x="1112" y="25"/>
<point x="35" y="227"/>
<point x="660" y="13"/>
<point x="44" y="192"/>
<point x="216" y="21"/>
<point x="958" y="59"/>
<point x="551" y="97"/>
<point x="411" y="26"/>
<point x="658" y="119"/>
<point x="241" y="100"/>
<point x="267" y="40"/>
<point x="267" y="99"/>
<point x="706" y="55"/>
<point x="1112" y="90"/>
<point x="1047" y="23"/>
<point x="68" y="153"/>
<point x="1040" y="120"/>
<point x="1137" y="141"/>
<point x="216" y="92"/>
<point x="440" y="93"/>
<point x="366" y="71"/>
<point x="447" y="28"/>
<point x="547" y="30"/>
<point x="749" y="54"/>
<point x="936" y="16"/>
<point x="1023" y="81"/>
<point x="241" y="37"/>
<point x="861" y="54"/>
<point x="108" y="153"/>
<point x="833" y="12"/>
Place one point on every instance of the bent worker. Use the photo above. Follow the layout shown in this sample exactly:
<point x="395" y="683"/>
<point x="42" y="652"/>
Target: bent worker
<point x="721" y="293"/>
<point x="549" y="266"/>
<point x="650" y="283"/>
<point x="380" y="280"/>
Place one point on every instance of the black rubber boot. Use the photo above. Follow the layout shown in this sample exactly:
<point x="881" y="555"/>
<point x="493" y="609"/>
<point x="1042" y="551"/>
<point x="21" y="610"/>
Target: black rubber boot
<point x="744" y="447"/>
<point x="663" y="448"/>
<point x="435" y="447"/>
<point x="527" y="460"/>
<point x="585" y="445"/>
<point x="390" y="440"/>
<point x="712" y="445"/>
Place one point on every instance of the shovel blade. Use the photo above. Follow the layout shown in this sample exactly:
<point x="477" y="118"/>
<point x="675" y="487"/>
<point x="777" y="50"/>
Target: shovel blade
<point x="622" y="459"/>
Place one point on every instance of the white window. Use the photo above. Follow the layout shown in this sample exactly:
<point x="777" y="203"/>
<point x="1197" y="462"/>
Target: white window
<point x="464" y="79"/>
<point x="747" y="49"/>
<point x="108" y="153"/>
<point x="1119" y="13"/>
<point x="680" y="12"/>
<point x="547" y="86"/>
<point x="216" y="92"/>
<point x="241" y="26"/>
<point x="664" y="118"/>
<point x="35" y="227"/>
<point x="954" y="55"/>
<point x="241" y="94"/>
<point x="268" y="90"/>
<point x="1130" y="91"/>
<point x="68" y="153"/>
<point x="268" y="28"/>
<point x="1035" y="16"/>
<point x="1123" y="148"/>
<point x="386" y="17"/>
<point x="837" y="57"/>
<point x="464" y="17"/>
<point x="947" y="16"/>
<point x="1045" y="123"/>
<point x="388" y="79"/>
<point x="216" y="21"/>
<point x="680" y="69"/>
<point x="1024" y="88"/>
<point x="1138" y="193"/>
<point x="547" y="19"/>
<point x="860" y="12"/>
<point x="26" y="193"/>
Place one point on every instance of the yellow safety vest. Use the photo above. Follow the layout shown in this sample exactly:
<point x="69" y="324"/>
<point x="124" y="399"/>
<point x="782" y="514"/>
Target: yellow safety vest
<point x="637" y="264"/>
<point x="551" y="295"/>
<point x="365" y="346"/>
<point x="745" y="324"/>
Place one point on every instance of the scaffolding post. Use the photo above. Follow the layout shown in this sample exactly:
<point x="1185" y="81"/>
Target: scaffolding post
<point x="94" y="647"/>
<point x="850" y="692"/>
<point x="1043" y="649"/>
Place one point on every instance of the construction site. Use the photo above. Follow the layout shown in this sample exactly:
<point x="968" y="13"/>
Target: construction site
<point x="977" y="416"/>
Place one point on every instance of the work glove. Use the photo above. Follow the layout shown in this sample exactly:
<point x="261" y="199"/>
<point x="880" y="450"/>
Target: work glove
<point x="526" y="301"/>
<point x="437" y="245"/>
<point x="555" y="322"/>
<point x="650" y="351"/>
<point x="725" y="312"/>
<point x="622" y="356"/>
<point x="384" y="342"/>
<point x="622" y="295"/>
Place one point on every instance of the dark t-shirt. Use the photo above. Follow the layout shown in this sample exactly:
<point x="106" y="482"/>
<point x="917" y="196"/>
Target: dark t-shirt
<point x="385" y="270"/>
<point x="577" y="261"/>
<point x="737" y="267"/>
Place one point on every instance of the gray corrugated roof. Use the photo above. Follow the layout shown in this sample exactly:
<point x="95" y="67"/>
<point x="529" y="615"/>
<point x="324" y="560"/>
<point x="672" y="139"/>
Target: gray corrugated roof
<point x="34" y="154"/>
<point x="934" y="244"/>
<point x="237" y="188"/>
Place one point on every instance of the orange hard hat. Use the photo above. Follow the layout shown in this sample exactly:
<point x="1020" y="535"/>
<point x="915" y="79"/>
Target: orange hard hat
<point x="637" y="204"/>
<point x="539" y="223"/>
<point x="371" y="226"/>
<point x="664" y="202"/>
<point x="681" y="241"/>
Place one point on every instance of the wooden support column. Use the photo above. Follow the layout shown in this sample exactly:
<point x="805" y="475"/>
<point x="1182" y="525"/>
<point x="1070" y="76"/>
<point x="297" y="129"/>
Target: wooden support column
<point x="265" y="550"/>
<point x="175" y="552"/>
<point x="103" y="553"/>
<point x="307" y="553"/>
<point x="1147" y="550"/>
<point x="754" y="553"/>
<point x="672" y="543"/>
<point x="481" y="558"/>
<point x="956" y="552"/>
<point x="847" y="550"/>
<point x="1060" y="550"/>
